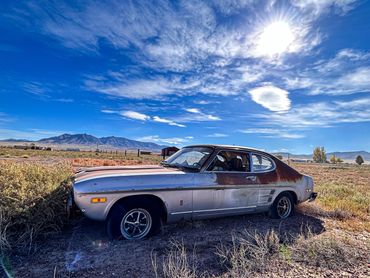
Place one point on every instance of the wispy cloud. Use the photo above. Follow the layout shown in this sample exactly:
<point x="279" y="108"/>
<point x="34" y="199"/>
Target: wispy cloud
<point x="317" y="7"/>
<point x="142" y="117"/>
<point x="196" y="115"/>
<point x="135" y="115"/>
<point x="218" y="55"/>
<point x="170" y="122"/>
<point x="217" y="135"/>
<point x="347" y="73"/>
<point x="273" y="133"/>
<point x="321" y="114"/>
<point x="169" y="140"/>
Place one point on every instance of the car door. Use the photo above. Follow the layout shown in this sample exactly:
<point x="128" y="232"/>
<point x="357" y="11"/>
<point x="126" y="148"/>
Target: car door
<point x="226" y="186"/>
<point x="264" y="168"/>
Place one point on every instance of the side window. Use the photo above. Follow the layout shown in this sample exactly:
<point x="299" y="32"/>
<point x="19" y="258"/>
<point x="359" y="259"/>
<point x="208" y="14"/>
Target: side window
<point x="228" y="161"/>
<point x="261" y="163"/>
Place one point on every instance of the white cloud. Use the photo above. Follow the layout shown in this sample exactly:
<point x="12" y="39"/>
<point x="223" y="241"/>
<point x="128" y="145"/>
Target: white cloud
<point x="347" y="73"/>
<point x="321" y="114"/>
<point x="217" y="135"/>
<point x="272" y="98"/>
<point x="317" y="7"/>
<point x="273" y="133"/>
<point x="169" y="140"/>
<point x="135" y="115"/>
<point x="166" y="121"/>
<point x="142" y="117"/>
<point x="196" y="115"/>
<point x="173" y="37"/>
<point x="108" y="111"/>
<point x="134" y="89"/>
<point x="193" y="110"/>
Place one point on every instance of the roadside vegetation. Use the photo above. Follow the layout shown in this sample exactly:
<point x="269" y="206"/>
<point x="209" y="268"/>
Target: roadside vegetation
<point x="270" y="254"/>
<point x="79" y="158"/>
<point x="344" y="193"/>
<point x="32" y="202"/>
<point x="34" y="186"/>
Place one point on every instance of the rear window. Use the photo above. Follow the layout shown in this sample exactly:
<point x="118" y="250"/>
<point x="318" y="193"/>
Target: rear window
<point x="261" y="163"/>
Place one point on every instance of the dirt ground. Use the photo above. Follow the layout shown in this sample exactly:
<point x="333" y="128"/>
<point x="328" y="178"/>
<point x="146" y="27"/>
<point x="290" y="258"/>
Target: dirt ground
<point x="84" y="250"/>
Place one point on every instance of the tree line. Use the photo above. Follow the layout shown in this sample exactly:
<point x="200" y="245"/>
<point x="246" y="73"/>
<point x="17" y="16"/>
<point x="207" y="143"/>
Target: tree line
<point x="319" y="156"/>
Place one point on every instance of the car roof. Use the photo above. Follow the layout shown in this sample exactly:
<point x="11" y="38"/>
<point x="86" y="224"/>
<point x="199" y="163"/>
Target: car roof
<point x="228" y="147"/>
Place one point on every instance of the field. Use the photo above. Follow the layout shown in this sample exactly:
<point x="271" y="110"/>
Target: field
<point x="327" y="238"/>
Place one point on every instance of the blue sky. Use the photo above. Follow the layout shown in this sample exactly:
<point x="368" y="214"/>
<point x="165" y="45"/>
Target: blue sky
<point x="275" y="75"/>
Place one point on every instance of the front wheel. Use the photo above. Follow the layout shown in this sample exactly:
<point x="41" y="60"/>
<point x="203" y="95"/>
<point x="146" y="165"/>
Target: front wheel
<point x="282" y="207"/>
<point x="131" y="223"/>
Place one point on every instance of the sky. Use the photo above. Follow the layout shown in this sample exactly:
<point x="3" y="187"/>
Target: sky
<point x="274" y="75"/>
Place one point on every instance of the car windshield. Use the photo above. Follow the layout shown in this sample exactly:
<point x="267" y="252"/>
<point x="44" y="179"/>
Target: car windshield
<point x="189" y="157"/>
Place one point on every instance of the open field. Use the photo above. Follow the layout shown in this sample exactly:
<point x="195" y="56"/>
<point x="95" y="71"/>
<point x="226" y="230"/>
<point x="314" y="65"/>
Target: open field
<point x="329" y="237"/>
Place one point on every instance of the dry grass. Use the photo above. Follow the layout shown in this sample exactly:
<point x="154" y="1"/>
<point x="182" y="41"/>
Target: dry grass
<point x="177" y="263"/>
<point x="344" y="191"/>
<point x="260" y="254"/>
<point x="32" y="202"/>
<point x="43" y="155"/>
<point x="248" y="253"/>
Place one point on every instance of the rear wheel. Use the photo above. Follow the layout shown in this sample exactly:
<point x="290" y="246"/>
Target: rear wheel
<point x="282" y="207"/>
<point x="132" y="222"/>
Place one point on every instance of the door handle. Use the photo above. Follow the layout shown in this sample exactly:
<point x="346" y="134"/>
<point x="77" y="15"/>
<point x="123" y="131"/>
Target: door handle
<point x="251" y="178"/>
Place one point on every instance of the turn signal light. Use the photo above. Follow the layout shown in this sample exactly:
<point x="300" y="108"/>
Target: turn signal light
<point x="98" y="200"/>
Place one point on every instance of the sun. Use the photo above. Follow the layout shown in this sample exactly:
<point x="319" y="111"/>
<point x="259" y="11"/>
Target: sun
<point x="275" y="39"/>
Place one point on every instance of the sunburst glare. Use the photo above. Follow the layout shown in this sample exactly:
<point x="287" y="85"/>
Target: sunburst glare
<point x="275" y="39"/>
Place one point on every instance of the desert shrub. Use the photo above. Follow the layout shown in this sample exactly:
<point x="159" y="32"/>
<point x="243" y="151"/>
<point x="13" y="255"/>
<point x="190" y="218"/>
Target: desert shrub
<point x="177" y="263"/>
<point x="327" y="252"/>
<point x="249" y="253"/>
<point x="32" y="202"/>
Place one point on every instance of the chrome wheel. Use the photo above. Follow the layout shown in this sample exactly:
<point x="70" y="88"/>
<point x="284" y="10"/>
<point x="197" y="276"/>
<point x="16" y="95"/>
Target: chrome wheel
<point x="136" y="224"/>
<point x="284" y="207"/>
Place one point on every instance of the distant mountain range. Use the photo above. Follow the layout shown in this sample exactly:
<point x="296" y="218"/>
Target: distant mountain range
<point x="91" y="141"/>
<point x="343" y="155"/>
<point x="113" y="142"/>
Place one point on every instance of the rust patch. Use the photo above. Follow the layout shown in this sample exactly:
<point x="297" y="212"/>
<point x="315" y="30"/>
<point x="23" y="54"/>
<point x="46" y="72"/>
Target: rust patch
<point x="282" y="173"/>
<point x="234" y="179"/>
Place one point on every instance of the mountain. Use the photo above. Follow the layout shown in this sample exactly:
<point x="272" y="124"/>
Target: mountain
<point x="343" y="155"/>
<point x="15" y="140"/>
<point x="103" y="142"/>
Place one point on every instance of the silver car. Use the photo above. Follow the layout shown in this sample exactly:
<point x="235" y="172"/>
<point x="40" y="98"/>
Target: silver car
<point x="197" y="182"/>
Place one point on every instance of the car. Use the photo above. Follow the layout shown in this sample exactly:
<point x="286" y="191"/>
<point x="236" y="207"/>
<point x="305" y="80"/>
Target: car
<point x="197" y="182"/>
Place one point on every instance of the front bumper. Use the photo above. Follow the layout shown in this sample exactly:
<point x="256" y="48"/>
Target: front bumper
<point x="312" y="197"/>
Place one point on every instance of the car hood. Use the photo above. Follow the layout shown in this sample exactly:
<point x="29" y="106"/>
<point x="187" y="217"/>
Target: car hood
<point x="85" y="174"/>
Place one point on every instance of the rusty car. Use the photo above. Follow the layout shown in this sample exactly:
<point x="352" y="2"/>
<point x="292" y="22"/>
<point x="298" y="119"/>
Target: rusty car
<point x="197" y="182"/>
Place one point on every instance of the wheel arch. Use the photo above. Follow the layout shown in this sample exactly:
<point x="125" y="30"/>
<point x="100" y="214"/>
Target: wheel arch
<point x="292" y="193"/>
<point x="148" y="199"/>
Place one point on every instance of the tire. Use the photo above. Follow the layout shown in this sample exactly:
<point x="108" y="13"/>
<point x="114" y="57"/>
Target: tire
<point x="283" y="206"/>
<point x="132" y="222"/>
